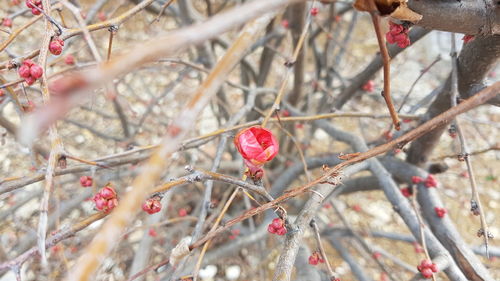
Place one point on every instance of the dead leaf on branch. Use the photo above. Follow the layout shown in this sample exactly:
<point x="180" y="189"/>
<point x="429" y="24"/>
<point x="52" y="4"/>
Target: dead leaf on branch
<point x="397" y="9"/>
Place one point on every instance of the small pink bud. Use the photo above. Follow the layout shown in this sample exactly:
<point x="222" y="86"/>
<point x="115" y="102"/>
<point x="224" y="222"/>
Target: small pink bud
<point x="36" y="71"/>
<point x="108" y="192"/>
<point x="24" y="71"/>
<point x="55" y="47"/>
<point x="152" y="205"/>
<point x="69" y="59"/>
<point x="7" y="22"/>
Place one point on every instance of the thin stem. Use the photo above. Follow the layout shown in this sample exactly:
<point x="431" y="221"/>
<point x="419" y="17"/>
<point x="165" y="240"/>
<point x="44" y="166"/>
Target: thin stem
<point x="387" y="70"/>
<point x="476" y="206"/>
<point x="315" y="228"/>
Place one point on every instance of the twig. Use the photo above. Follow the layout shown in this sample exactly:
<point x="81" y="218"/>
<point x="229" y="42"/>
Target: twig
<point x="315" y="228"/>
<point x="104" y="241"/>
<point x="163" y="8"/>
<point x="476" y="206"/>
<point x="288" y="71"/>
<point x="422" y="72"/>
<point x="387" y="70"/>
<point x="420" y="224"/>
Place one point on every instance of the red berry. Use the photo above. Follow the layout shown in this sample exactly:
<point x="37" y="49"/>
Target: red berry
<point x="152" y="205"/>
<point x="416" y="179"/>
<point x="108" y="192"/>
<point x="434" y="268"/>
<point x="7" y="22"/>
<point x="440" y="212"/>
<point x="24" y="71"/>
<point x="426" y="273"/>
<point x="369" y="86"/>
<point x="152" y="232"/>
<point x="30" y="80"/>
<point x="112" y="203"/>
<point x="30" y="4"/>
<point x="277" y="223"/>
<point x="467" y="38"/>
<point x="69" y="59"/>
<point x="314" y="11"/>
<point x="86" y="181"/>
<point x="285" y="23"/>
<point x="28" y="62"/>
<point x="430" y="181"/>
<point x="376" y="255"/>
<point x="357" y="208"/>
<point x="404" y="43"/>
<point x="406" y="192"/>
<point x="55" y="47"/>
<point x="425" y="263"/>
<point x="100" y="203"/>
<point x="182" y="212"/>
<point x="281" y="231"/>
<point x="398" y="34"/>
<point x="271" y="229"/>
<point x="102" y="16"/>
<point x="36" y="71"/>
<point x="313" y="259"/>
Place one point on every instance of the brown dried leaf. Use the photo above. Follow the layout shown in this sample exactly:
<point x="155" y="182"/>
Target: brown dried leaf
<point x="404" y="13"/>
<point x="395" y="8"/>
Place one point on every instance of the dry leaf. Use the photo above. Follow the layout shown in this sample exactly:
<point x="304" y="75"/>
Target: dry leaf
<point x="404" y="13"/>
<point x="397" y="9"/>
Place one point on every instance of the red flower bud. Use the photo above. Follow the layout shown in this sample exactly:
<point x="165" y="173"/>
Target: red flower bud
<point x="406" y="192"/>
<point x="426" y="273"/>
<point x="86" y="181"/>
<point x="430" y="181"/>
<point x="152" y="205"/>
<point x="434" y="268"/>
<point x="281" y="231"/>
<point x="69" y="59"/>
<point x="285" y="23"/>
<point x="369" y="86"/>
<point x="102" y="16"/>
<point x="277" y="223"/>
<point x="30" y="80"/>
<point x="467" y="38"/>
<point x="416" y="179"/>
<point x="100" y="203"/>
<point x="7" y="22"/>
<point x="152" y="232"/>
<point x="111" y="204"/>
<point x="36" y="71"/>
<point x="108" y="192"/>
<point x="256" y="145"/>
<point x="55" y="46"/>
<point x="182" y="212"/>
<point x="30" y="4"/>
<point x="313" y="259"/>
<point x="314" y="11"/>
<point x="440" y="212"/>
<point x="425" y="263"/>
<point x="24" y="71"/>
<point x="271" y="229"/>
